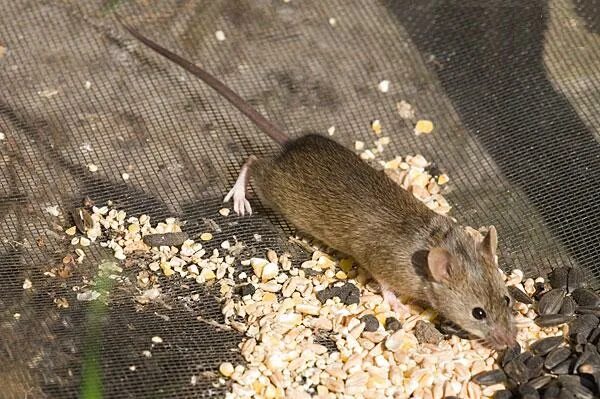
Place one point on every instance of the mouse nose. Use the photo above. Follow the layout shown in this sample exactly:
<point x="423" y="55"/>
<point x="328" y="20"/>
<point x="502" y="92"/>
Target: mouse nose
<point x="502" y="339"/>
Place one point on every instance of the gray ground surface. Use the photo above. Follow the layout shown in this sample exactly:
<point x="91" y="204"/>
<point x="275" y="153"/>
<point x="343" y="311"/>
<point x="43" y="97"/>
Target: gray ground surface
<point x="182" y="145"/>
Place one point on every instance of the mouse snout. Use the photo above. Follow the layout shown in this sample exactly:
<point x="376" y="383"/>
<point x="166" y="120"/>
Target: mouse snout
<point x="502" y="338"/>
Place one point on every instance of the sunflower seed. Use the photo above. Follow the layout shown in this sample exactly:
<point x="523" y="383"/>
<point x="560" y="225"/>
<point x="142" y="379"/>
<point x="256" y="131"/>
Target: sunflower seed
<point x="502" y="394"/>
<point x="489" y="377"/>
<point x="556" y="356"/>
<point x="575" y="384"/>
<point x="551" y="301"/>
<point x="553" y="320"/>
<point x="167" y="239"/>
<point x="575" y="280"/>
<point x="563" y="367"/>
<point x="526" y="391"/>
<point x="519" y="295"/>
<point x="568" y="306"/>
<point x="594" y="335"/>
<point x="545" y="345"/>
<point x="510" y="354"/>
<point x="517" y="370"/>
<point x="588" y="310"/>
<point x="534" y="366"/>
<point x="83" y="219"/>
<point x="584" y="325"/>
<point x="585" y="297"/>
<point x="540" y="382"/>
<point x="552" y="391"/>
<point x="559" y="277"/>
<point x="566" y="394"/>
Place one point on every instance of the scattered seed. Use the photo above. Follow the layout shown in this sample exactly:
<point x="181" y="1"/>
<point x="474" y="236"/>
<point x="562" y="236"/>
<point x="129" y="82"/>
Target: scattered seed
<point x="575" y="279"/>
<point x="125" y="176"/>
<point x="545" y="345"/>
<point x="526" y="391"/>
<point x="384" y="86"/>
<point x="392" y="324"/>
<point x="92" y="168"/>
<point x="423" y="126"/>
<point x="551" y="301"/>
<point x="585" y="297"/>
<point x="206" y="236"/>
<point x="220" y="35"/>
<point x="559" y="277"/>
<point x="376" y="126"/>
<point x="174" y="239"/>
<point x="427" y="333"/>
<point x="519" y="295"/>
<point x="556" y="356"/>
<point x="247" y="289"/>
<point x="226" y="369"/>
<point x="489" y="377"/>
<point x="224" y="211"/>
<point x="371" y="322"/>
<point x="157" y="340"/>
<point x="27" y="284"/>
<point x="553" y="320"/>
<point x="568" y="306"/>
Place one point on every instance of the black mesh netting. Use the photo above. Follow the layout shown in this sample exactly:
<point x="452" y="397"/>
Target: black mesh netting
<point x="512" y="91"/>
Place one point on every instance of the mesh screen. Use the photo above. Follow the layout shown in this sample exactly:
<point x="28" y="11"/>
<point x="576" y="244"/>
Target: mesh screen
<point x="511" y="88"/>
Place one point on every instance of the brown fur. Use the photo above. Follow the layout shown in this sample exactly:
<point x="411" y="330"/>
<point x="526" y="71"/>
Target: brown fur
<point x="327" y="191"/>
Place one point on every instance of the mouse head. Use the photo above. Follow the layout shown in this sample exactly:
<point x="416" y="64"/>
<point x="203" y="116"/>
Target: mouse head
<point x="467" y="288"/>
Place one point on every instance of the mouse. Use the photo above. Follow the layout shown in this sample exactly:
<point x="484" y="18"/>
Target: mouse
<point x="328" y="192"/>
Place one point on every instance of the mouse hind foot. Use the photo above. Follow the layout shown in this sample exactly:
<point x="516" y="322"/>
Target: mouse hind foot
<point x="238" y="192"/>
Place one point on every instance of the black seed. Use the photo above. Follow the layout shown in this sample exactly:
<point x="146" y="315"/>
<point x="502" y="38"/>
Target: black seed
<point x="559" y="277"/>
<point x="510" y="354"/>
<point x="588" y="310"/>
<point x="174" y="239"/>
<point x="564" y="367"/>
<point x="349" y="294"/>
<point x="525" y="356"/>
<point x="489" y="377"/>
<point x="575" y="279"/>
<point x="585" y="297"/>
<point x="583" y="326"/>
<point x="517" y="370"/>
<point x="519" y="295"/>
<point x="551" y="301"/>
<point x="576" y="385"/>
<point x="551" y="391"/>
<point x="557" y="356"/>
<point x="392" y="323"/>
<point x="534" y="366"/>
<point x="526" y="391"/>
<point x="326" y="294"/>
<point x="247" y="289"/>
<point x="425" y="332"/>
<point x="503" y="394"/>
<point x="594" y="335"/>
<point x="553" y="320"/>
<point x="540" y="382"/>
<point x="371" y="322"/>
<point x="568" y="306"/>
<point x="580" y="339"/>
<point x="565" y="393"/>
<point x="545" y="345"/>
<point x="539" y="290"/>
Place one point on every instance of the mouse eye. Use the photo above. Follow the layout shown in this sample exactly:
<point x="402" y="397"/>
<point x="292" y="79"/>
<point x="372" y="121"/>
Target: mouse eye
<point x="479" y="313"/>
<point x="507" y="299"/>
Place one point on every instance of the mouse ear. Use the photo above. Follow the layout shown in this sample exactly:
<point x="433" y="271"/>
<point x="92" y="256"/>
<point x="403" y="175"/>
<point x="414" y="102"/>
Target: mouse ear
<point x="489" y="244"/>
<point x="438" y="261"/>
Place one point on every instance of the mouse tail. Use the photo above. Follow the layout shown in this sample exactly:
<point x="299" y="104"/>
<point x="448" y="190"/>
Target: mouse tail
<point x="263" y="123"/>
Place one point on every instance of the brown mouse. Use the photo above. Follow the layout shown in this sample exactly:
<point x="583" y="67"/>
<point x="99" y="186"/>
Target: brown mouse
<point x="328" y="192"/>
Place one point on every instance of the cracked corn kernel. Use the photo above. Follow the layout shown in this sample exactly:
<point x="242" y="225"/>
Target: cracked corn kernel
<point x="226" y="369"/>
<point x="206" y="236"/>
<point x="376" y="126"/>
<point x="443" y="179"/>
<point x="423" y="126"/>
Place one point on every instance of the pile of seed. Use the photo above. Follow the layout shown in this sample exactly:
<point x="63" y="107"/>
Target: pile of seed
<point x="322" y="329"/>
<point x="567" y="365"/>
